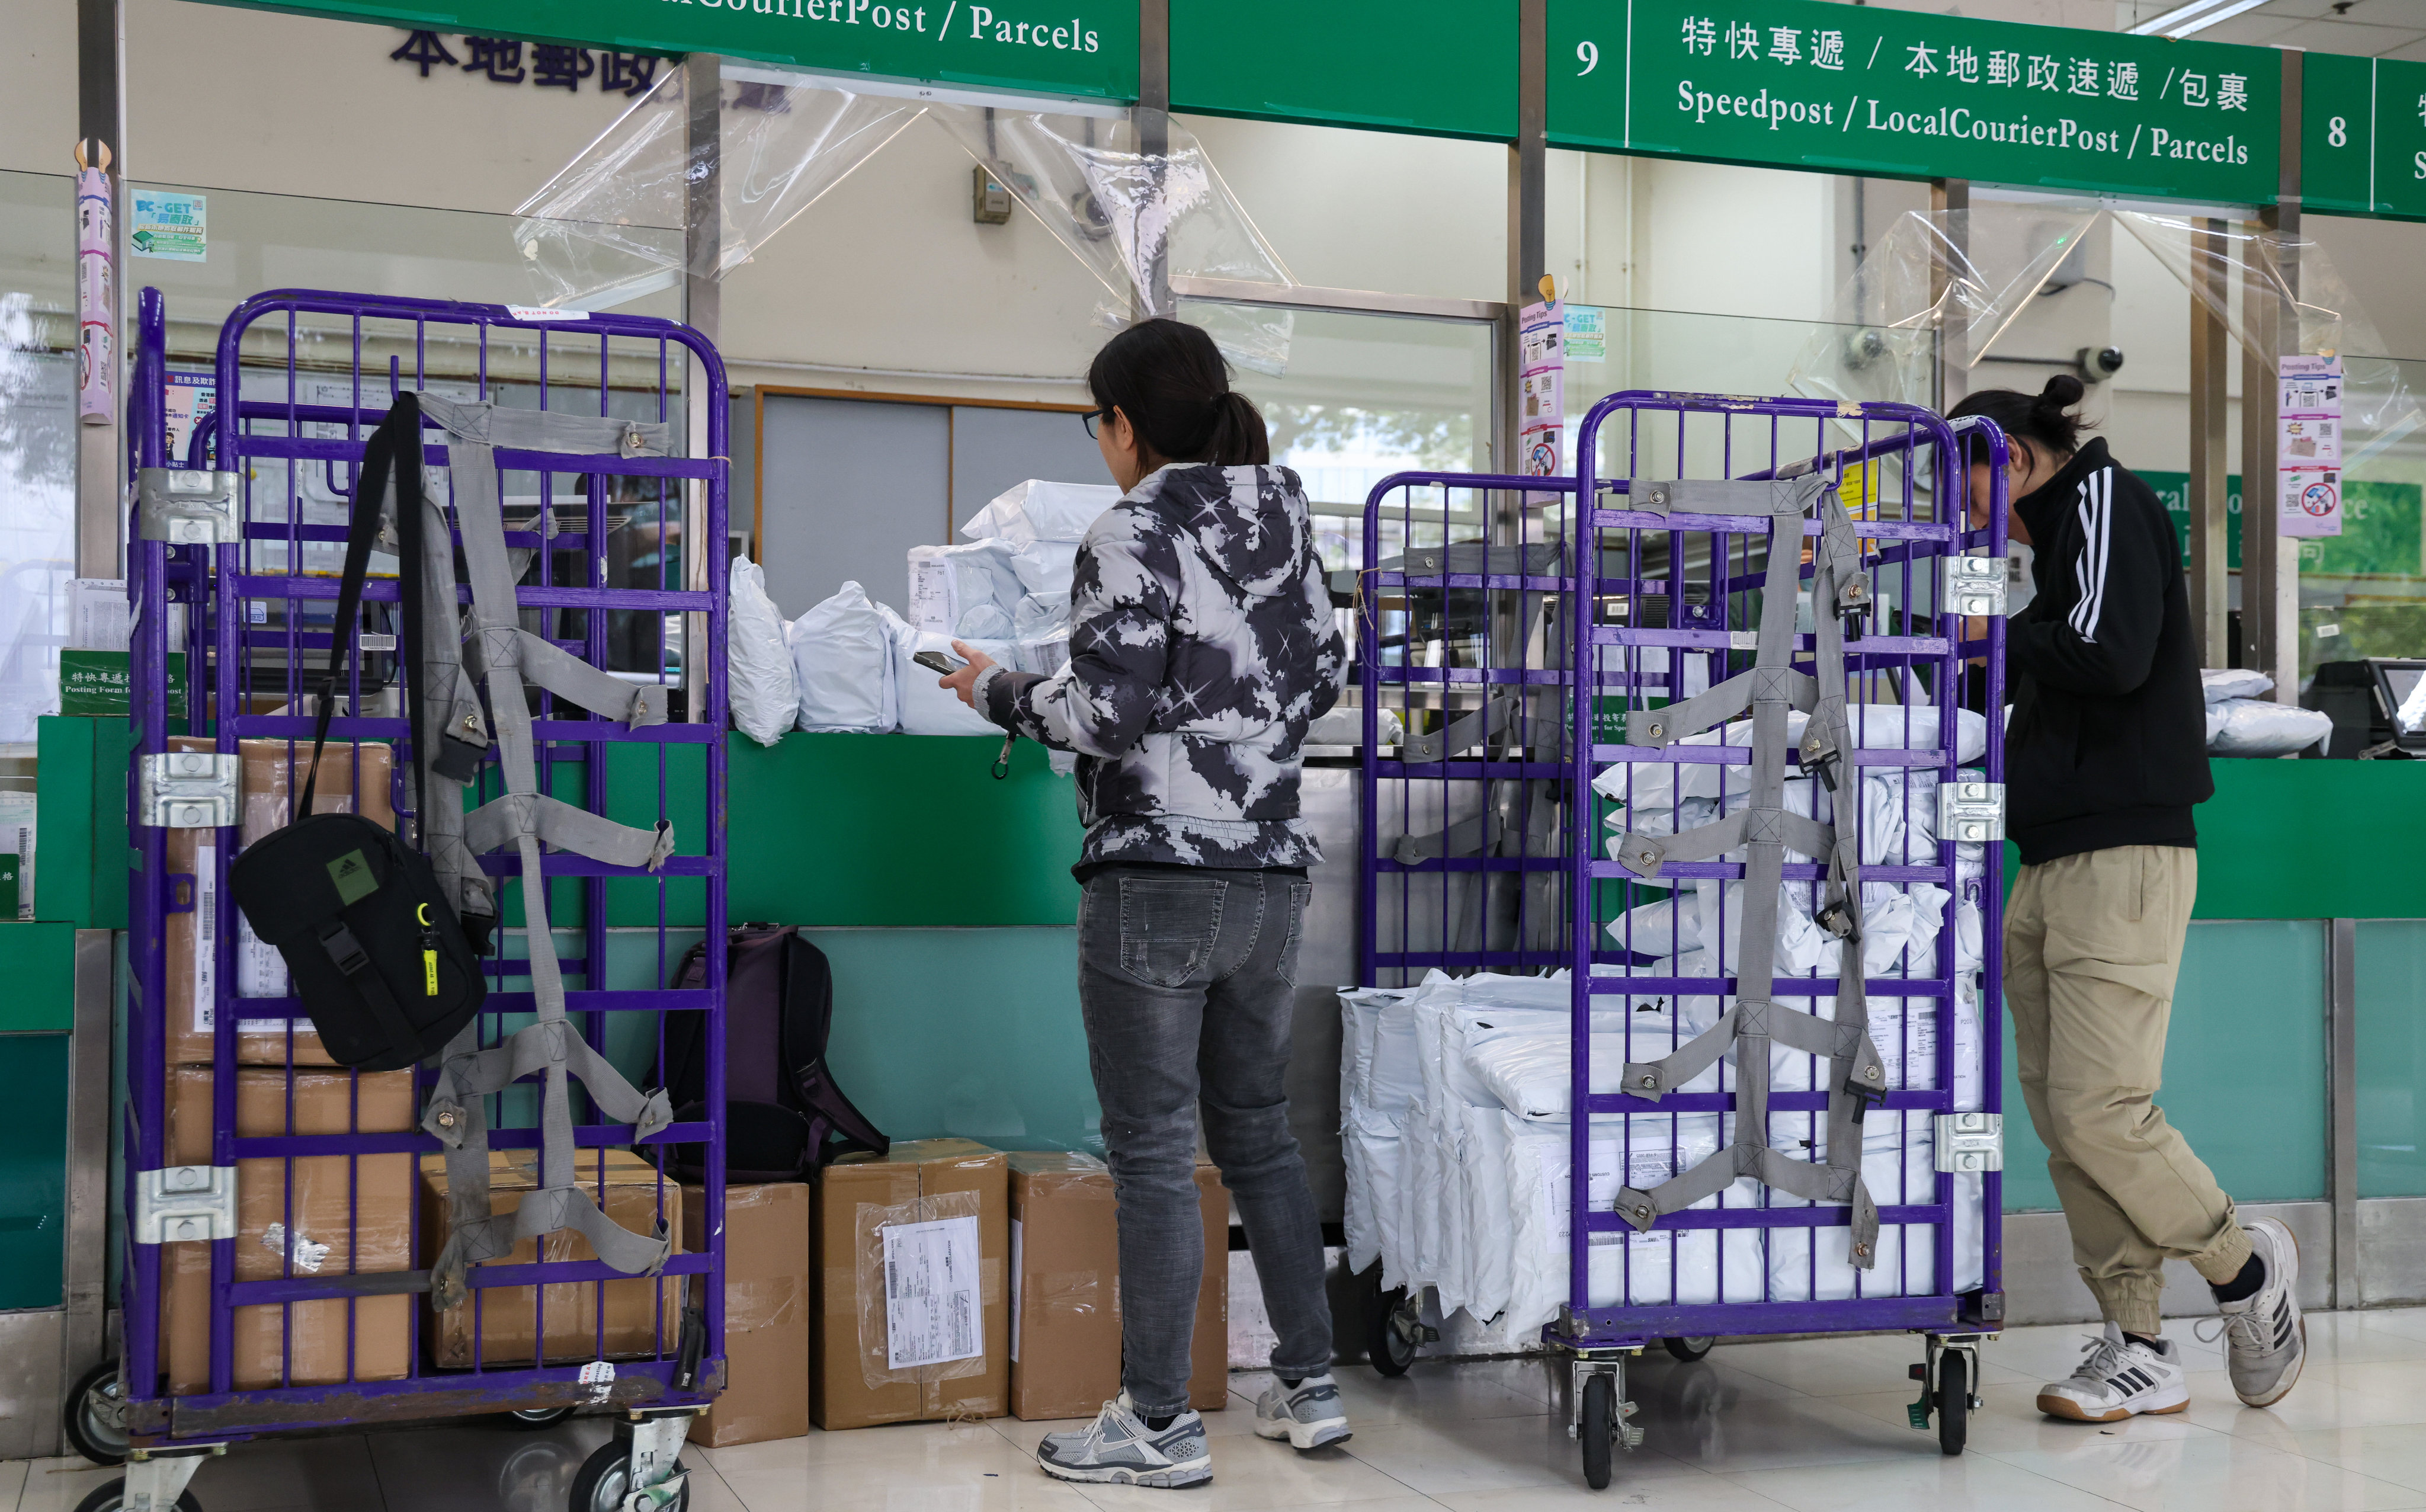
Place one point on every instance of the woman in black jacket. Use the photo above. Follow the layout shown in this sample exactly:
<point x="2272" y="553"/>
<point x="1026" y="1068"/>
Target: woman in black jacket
<point x="2105" y="756"/>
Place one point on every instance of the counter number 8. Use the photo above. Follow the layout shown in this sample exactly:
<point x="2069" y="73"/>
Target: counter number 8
<point x="2336" y="134"/>
<point x="1590" y="53"/>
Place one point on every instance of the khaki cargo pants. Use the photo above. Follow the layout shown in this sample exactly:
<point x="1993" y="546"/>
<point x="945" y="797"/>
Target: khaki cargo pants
<point x="2092" y="943"/>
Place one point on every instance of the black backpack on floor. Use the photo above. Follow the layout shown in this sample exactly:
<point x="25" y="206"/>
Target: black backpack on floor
<point x="785" y="1117"/>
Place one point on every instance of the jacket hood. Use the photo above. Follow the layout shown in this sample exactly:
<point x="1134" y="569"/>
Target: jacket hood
<point x="2043" y="507"/>
<point x="1252" y="522"/>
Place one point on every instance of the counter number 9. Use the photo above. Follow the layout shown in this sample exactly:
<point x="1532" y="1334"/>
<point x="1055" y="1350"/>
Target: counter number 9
<point x="1590" y="53"/>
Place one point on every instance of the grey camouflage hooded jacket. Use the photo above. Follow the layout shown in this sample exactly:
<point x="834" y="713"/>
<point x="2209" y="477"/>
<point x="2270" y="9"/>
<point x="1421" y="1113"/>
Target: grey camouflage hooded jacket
<point x="1202" y="643"/>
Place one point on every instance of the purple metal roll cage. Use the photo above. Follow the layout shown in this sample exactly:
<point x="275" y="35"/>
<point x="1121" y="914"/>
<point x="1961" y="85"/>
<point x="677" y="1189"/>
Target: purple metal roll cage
<point x="251" y="644"/>
<point x="1622" y="594"/>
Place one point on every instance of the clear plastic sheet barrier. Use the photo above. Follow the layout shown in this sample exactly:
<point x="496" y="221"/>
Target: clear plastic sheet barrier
<point x="607" y="227"/>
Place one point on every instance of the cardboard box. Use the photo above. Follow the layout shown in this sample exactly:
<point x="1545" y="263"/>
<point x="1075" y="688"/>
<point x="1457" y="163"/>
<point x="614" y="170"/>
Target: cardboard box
<point x="643" y="1317"/>
<point x="765" y="1312"/>
<point x="1065" y="1341"/>
<point x="1065" y="1310"/>
<point x="362" y="1218"/>
<point x="928" y="1336"/>
<point x="273" y="776"/>
<point x="1208" y="1349"/>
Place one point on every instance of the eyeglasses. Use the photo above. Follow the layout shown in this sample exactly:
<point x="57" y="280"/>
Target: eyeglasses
<point x="1091" y="418"/>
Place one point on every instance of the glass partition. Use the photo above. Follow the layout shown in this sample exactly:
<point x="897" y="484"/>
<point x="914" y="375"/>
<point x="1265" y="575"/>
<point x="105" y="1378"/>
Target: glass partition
<point x="38" y="445"/>
<point x="1365" y="395"/>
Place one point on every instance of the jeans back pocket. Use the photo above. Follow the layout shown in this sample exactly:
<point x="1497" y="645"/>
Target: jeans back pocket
<point x="1168" y="927"/>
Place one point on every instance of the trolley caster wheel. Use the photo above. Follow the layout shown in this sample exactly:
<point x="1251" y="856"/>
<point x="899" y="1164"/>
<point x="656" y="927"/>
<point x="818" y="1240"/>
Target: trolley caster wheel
<point x="603" y="1484"/>
<point x="532" y="1420"/>
<point x="112" y="1498"/>
<point x="94" y="1416"/>
<point x="1953" y="1401"/>
<point x="1598" y="1430"/>
<point x="1690" y="1350"/>
<point x="1390" y="1345"/>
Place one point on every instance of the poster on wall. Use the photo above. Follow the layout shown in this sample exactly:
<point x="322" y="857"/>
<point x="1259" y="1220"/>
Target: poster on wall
<point x="2308" y="445"/>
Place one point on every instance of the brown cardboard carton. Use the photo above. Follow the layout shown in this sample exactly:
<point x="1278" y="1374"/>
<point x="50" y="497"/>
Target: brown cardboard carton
<point x="1208" y="1349"/>
<point x="363" y="1217"/>
<point x="1065" y="1313"/>
<point x="766" y="1311"/>
<point x="272" y="780"/>
<point x="1065" y="1275"/>
<point x="854" y="1381"/>
<point x="642" y="1317"/>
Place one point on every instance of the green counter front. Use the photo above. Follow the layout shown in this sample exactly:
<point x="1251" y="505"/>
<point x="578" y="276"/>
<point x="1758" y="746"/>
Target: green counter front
<point x="945" y="901"/>
<point x="2285" y="847"/>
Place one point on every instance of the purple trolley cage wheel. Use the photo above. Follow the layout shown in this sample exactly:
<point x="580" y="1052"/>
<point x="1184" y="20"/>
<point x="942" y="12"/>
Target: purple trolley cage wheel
<point x="302" y="378"/>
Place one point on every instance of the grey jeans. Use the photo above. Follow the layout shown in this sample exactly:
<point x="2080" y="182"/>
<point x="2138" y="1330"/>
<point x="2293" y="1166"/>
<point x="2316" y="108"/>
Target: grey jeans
<point x="1186" y="979"/>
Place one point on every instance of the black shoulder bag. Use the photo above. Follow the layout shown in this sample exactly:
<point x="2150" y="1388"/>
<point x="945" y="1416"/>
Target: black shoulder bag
<point x="373" y="945"/>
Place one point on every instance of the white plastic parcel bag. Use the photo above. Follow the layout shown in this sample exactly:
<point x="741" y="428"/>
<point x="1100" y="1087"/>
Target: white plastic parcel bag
<point x="1037" y="510"/>
<point x="926" y="708"/>
<point x="842" y="653"/>
<point x="2255" y="727"/>
<point x="765" y="693"/>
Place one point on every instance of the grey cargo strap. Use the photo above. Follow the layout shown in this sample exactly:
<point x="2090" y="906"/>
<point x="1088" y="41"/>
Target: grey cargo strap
<point x="506" y="658"/>
<point x="1765" y="830"/>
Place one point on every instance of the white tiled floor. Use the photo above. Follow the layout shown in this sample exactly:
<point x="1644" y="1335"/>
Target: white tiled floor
<point x="1817" y="1425"/>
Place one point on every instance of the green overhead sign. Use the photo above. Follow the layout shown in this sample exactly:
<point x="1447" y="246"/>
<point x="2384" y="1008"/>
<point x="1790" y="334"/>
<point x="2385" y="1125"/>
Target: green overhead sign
<point x="1065" y="47"/>
<point x="2362" y="136"/>
<point x="1435" y="67"/>
<point x="1907" y="94"/>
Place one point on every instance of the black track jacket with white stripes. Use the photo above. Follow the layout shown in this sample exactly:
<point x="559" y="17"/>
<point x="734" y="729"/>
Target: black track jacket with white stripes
<point x="2107" y="741"/>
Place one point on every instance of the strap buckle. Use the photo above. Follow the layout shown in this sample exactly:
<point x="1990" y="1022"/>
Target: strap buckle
<point x="1838" y="919"/>
<point x="346" y="950"/>
<point x="1864" y="1099"/>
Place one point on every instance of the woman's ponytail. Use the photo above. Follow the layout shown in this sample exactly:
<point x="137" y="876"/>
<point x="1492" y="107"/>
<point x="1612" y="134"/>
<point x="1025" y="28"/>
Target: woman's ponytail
<point x="1238" y="438"/>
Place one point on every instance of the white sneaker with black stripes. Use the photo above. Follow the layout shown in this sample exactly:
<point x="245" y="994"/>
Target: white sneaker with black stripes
<point x="2266" y="1341"/>
<point x="2119" y="1378"/>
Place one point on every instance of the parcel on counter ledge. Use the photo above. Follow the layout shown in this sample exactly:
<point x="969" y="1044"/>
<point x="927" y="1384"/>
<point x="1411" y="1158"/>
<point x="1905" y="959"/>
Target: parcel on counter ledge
<point x="644" y="1315"/>
<point x="913" y="1313"/>
<point x="766" y="1390"/>
<point x="1065" y="1320"/>
<point x="348" y="1213"/>
<point x="274" y="772"/>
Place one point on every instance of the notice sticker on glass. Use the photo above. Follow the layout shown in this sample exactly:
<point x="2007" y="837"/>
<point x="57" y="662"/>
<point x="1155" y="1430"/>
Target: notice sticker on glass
<point x="2308" y="445"/>
<point x="174" y="227"/>
<point x="1587" y="334"/>
<point x="933" y="1310"/>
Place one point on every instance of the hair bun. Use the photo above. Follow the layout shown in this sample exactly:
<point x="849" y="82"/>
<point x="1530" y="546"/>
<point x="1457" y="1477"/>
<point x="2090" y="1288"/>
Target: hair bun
<point x="2063" y="392"/>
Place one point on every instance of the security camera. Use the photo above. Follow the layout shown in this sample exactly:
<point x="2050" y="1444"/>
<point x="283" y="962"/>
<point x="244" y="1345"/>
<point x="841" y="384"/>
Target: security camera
<point x="1864" y="348"/>
<point x="2098" y="364"/>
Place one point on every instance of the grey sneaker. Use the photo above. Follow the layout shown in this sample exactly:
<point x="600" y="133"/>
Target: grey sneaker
<point x="2266" y="1340"/>
<point x="1309" y="1417"/>
<point x="1118" y="1448"/>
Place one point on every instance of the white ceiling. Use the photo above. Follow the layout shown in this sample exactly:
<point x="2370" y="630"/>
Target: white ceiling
<point x="2367" y="28"/>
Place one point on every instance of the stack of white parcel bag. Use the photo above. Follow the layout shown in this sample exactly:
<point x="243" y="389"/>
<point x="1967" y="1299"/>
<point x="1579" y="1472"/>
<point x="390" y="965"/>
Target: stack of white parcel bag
<point x="1005" y="592"/>
<point x="1455" y="1092"/>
